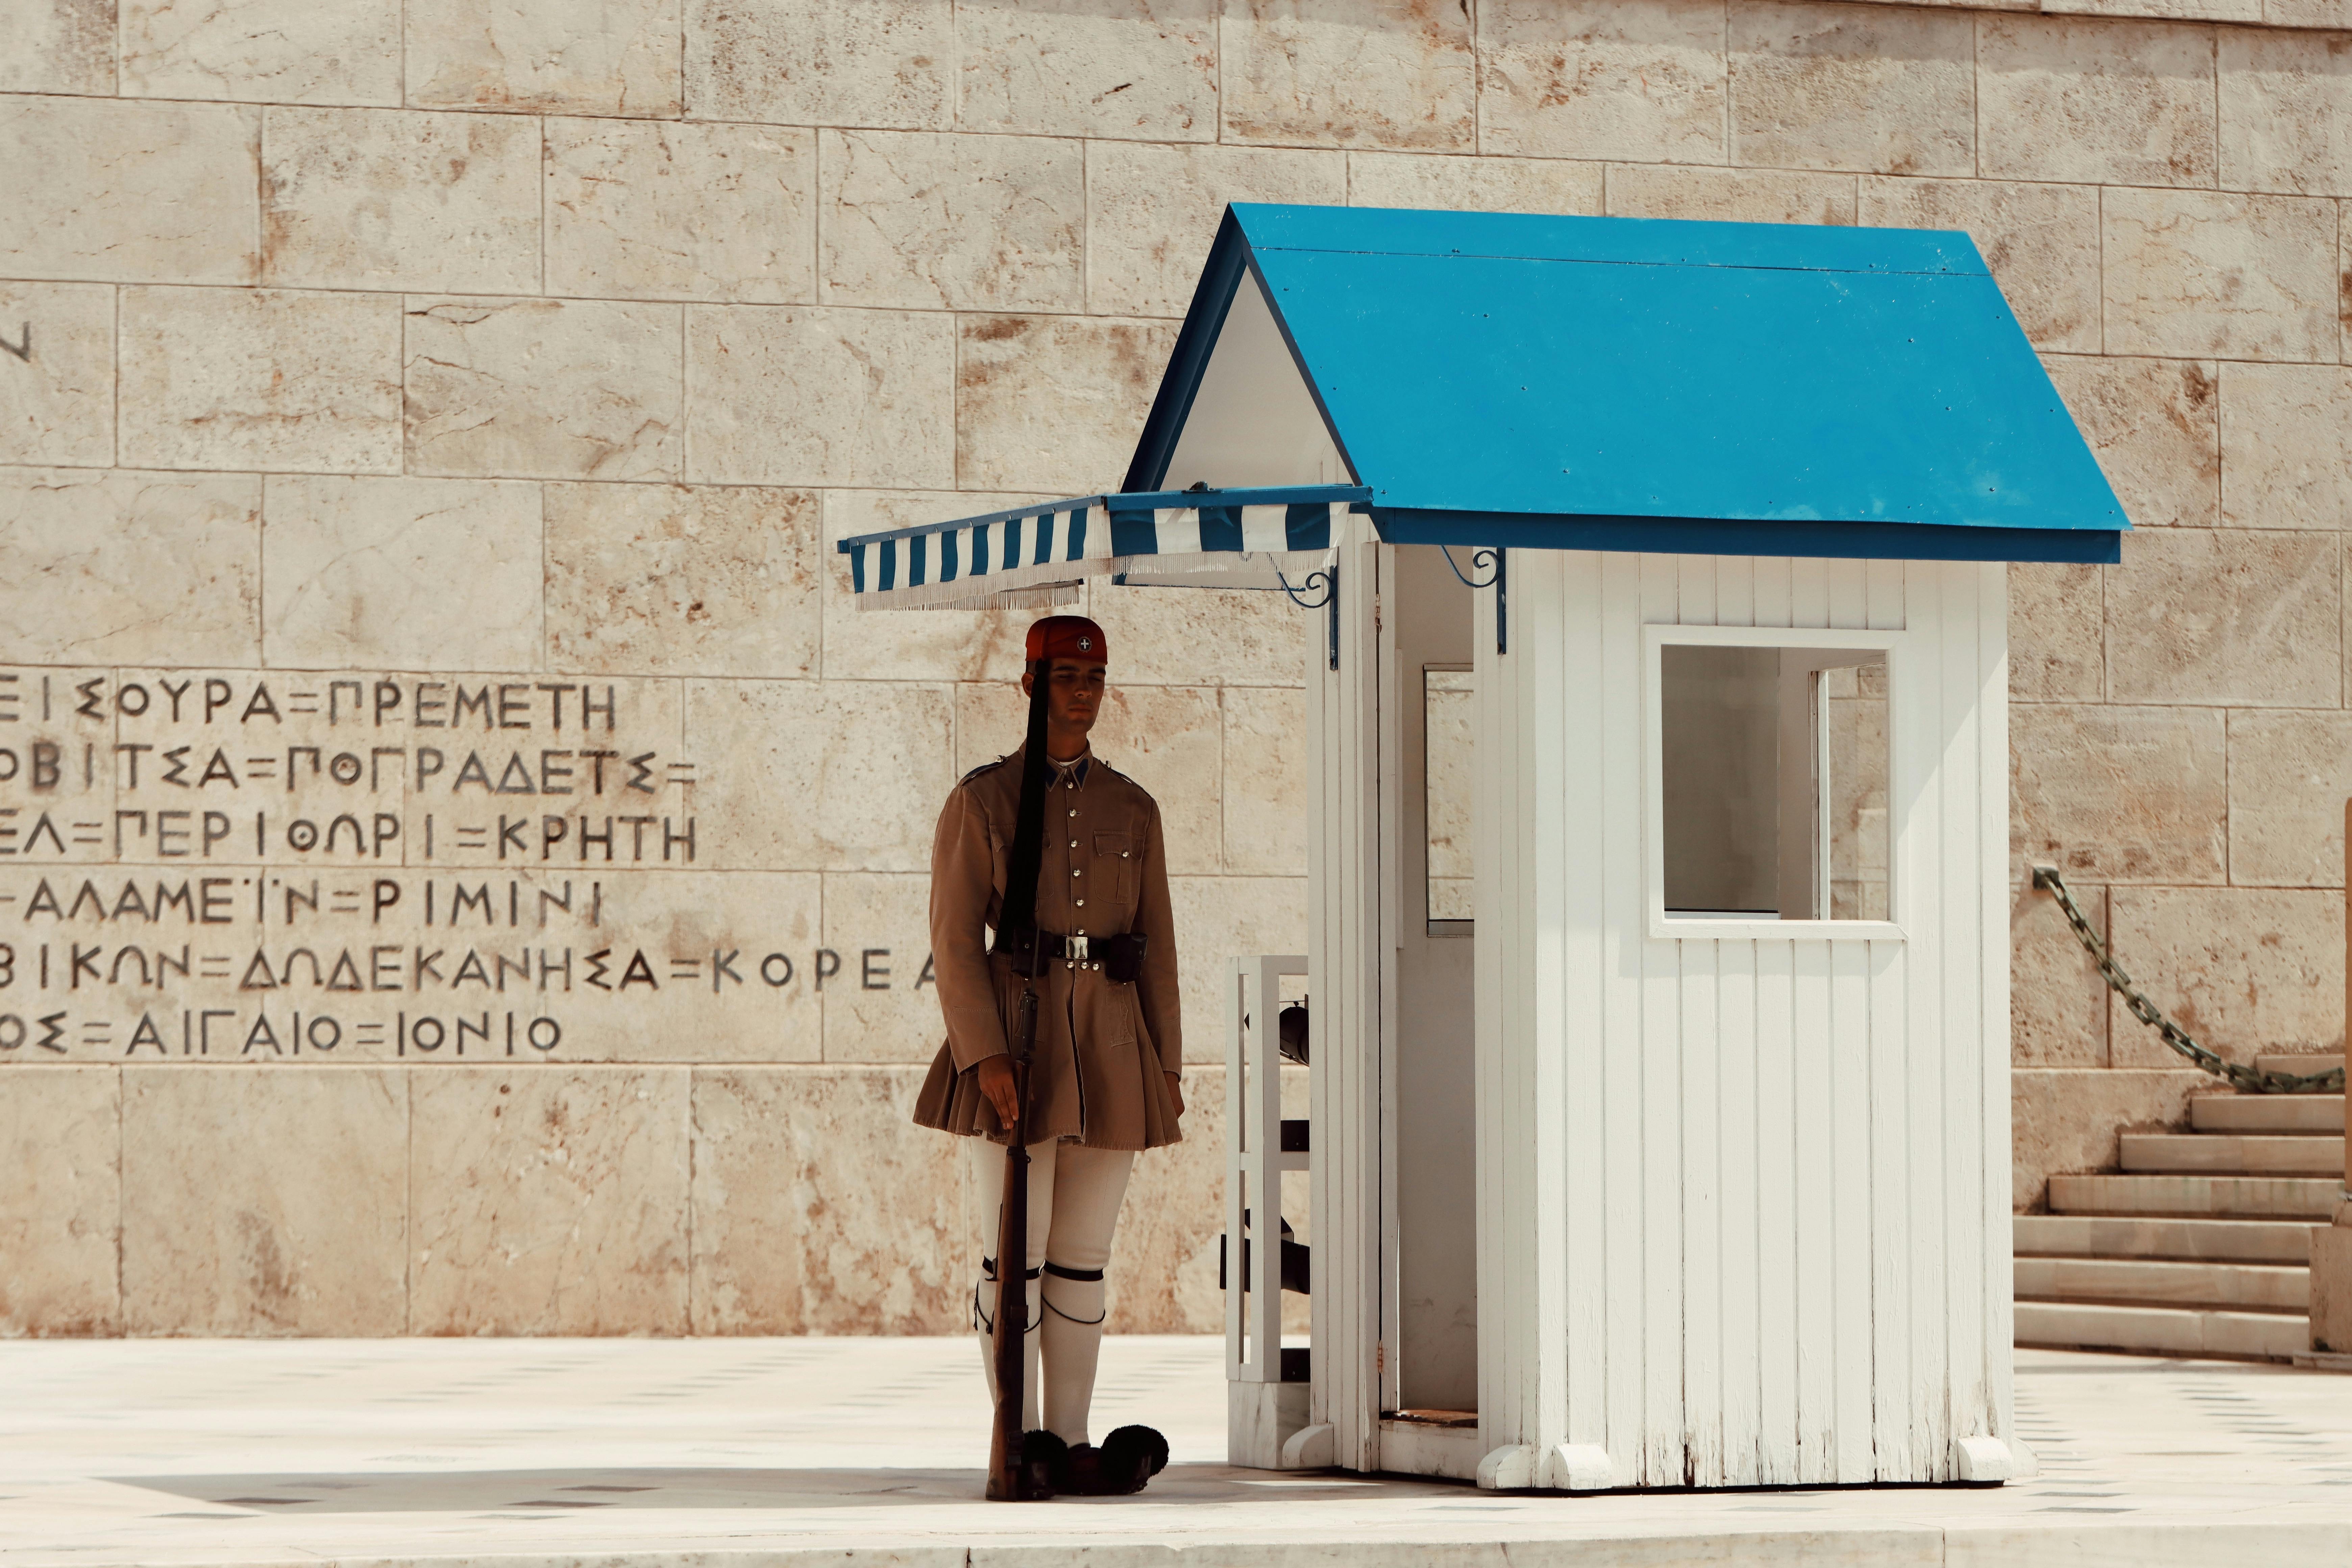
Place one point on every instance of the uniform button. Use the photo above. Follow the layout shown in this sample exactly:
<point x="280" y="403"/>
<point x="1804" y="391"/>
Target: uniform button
<point x="1074" y="811"/>
<point x="1073" y="843"/>
<point x="1082" y="931"/>
<point x="1082" y="903"/>
<point x="1122" y="853"/>
<point x="1075" y="872"/>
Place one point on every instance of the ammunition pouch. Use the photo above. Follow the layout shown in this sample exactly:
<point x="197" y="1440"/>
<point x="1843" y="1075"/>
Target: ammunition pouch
<point x="1123" y="958"/>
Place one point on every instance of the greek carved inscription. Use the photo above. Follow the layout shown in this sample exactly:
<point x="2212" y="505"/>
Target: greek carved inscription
<point x="207" y="866"/>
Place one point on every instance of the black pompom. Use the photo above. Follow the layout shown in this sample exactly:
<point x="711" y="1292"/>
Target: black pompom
<point x="1131" y="1456"/>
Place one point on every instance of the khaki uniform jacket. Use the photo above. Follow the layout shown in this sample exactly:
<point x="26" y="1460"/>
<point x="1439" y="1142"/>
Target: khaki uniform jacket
<point x="1096" y="1076"/>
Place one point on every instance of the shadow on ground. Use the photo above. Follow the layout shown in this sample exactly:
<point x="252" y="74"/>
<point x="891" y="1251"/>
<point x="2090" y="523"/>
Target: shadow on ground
<point x="521" y="1493"/>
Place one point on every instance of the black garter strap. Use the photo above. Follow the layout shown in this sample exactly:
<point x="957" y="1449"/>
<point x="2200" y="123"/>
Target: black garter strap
<point x="1077" y="1276"/>
<point x="980" y="1319"/>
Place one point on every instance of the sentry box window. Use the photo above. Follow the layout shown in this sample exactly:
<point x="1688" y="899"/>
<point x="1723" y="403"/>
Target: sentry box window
<point x="1771" y="773"/>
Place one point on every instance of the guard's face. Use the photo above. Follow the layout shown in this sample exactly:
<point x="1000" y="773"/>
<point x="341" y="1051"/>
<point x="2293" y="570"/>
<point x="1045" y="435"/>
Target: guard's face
<point x="1074" y="691"/>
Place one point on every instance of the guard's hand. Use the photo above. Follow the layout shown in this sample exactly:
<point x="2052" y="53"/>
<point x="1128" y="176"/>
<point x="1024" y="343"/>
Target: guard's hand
<point x="1176" y="1092"/>
<point x="996" y="1083"/>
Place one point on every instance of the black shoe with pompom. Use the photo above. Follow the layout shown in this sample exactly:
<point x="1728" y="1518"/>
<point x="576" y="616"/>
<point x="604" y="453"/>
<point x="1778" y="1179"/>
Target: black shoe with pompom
<point x="1043" y="1459"/>
<point x="1127" y="1459"/>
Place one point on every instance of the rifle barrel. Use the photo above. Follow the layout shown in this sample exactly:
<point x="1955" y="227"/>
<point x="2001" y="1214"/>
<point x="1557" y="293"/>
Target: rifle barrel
<point x="1007" y="1477"/>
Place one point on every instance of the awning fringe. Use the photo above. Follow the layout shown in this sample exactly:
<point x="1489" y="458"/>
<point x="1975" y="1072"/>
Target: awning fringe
<point x="1039" y="557"/>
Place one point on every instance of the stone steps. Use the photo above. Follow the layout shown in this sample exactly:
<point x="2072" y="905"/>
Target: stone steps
<point x="2267" y="1113"/>
<point x="2199" y="1244"/>
<point x="2166" y="1330"/>
<point x="2148" y="1282"/>
<point x="2235" y="1154"/>
<point x="2300" y="1063"/>
<point x="2311" y="1199"/>
<point x="2192" y="1240"/>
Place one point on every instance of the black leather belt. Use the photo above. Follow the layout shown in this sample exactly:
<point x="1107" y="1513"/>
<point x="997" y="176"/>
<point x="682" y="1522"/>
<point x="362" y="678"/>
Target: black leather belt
<point x="1119" y="957"/>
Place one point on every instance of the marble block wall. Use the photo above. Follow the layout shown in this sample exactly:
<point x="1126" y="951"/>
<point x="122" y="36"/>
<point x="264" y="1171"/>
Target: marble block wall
<point x="462" y="856"/>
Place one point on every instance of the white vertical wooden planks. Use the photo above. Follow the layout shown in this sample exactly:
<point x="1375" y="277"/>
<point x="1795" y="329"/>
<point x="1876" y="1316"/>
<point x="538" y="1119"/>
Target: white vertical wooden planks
<point x="1740" y="1208"/>
<point x="1345" y="972"/>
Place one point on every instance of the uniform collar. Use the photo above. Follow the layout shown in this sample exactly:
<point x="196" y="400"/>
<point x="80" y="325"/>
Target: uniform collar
<point x="1074" y="771"/>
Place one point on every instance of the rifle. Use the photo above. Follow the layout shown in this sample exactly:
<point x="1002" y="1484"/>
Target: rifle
<point x="1008" y="1476"/>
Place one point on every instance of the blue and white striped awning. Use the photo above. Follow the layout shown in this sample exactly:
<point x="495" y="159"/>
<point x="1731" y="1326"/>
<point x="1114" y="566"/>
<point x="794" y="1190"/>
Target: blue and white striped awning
<point x="1035" y="556"/>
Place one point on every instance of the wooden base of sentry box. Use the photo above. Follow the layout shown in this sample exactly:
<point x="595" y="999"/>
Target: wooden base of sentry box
<point x="1445" y="1449"/>
<point x="1267" y="1427"/>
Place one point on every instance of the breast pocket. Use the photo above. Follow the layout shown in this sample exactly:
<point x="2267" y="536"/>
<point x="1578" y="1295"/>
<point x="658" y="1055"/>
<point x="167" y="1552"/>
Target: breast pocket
<point x="1114" y="868"/>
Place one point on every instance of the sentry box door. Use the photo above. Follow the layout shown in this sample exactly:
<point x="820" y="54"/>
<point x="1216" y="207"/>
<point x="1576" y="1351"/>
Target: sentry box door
<point x="1394" y="1166"/>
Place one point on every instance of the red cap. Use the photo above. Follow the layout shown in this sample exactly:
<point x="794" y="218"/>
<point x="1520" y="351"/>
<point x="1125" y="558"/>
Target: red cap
<point x="1068" y="637"/>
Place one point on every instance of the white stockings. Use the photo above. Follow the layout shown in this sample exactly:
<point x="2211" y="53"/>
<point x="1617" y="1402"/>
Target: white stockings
<point x="1074" y="1198"/>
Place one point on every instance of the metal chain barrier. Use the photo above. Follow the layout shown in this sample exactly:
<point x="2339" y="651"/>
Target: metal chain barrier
<point x="2249" y="1080"/>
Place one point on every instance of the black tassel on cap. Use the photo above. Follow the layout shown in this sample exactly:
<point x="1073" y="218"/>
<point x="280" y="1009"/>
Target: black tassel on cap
<point x="1017" y="920"/>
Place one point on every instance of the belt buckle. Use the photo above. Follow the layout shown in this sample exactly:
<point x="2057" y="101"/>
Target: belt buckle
<point x="1077" y="948"/>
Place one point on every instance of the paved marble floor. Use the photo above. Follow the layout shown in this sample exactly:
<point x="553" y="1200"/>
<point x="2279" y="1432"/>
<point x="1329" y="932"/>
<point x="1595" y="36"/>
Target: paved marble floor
<point x="759" y="1453"/>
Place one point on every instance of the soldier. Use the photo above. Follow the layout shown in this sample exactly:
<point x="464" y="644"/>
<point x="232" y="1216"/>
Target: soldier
<point x="1105" y="1073"/>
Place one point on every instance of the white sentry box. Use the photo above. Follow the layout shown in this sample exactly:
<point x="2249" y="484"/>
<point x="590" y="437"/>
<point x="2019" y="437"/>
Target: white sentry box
<point x="1655" y="1200"/>
<point x="1598" y="1196"/>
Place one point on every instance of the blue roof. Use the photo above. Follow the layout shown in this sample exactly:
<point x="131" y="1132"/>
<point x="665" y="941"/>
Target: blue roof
<point x="1628" y="384"/>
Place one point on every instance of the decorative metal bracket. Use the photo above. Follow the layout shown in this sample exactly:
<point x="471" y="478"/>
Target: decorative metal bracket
<point x="1328" y="577"/>
<point x="1499" y="559"/>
